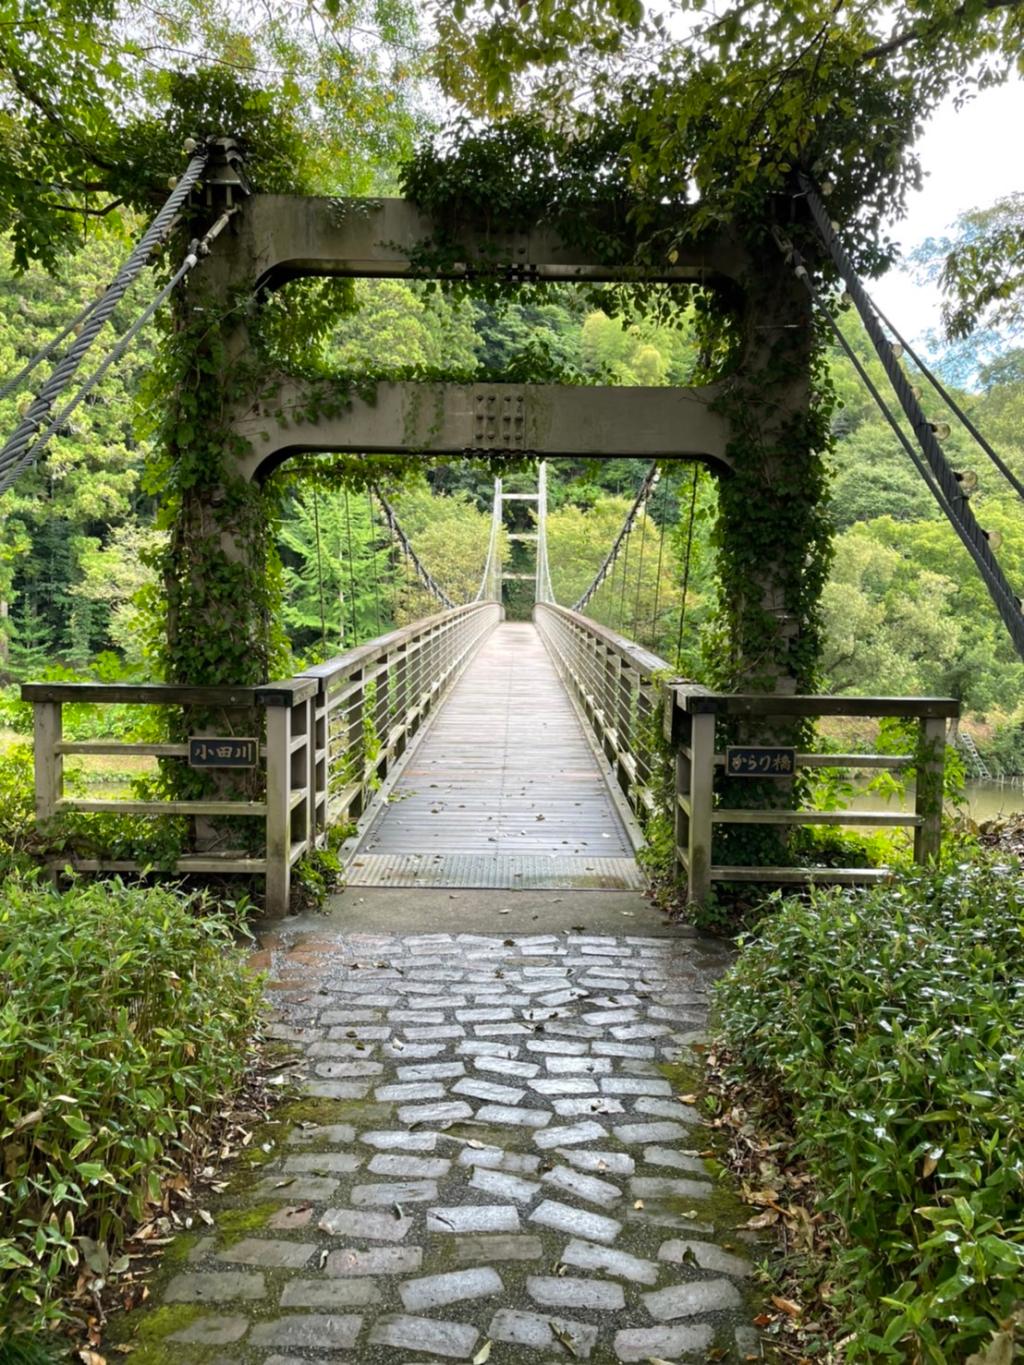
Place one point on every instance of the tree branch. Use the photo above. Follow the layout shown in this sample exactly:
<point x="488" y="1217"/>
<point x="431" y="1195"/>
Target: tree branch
<point x="81" y="209"/>
<point x="919" y="31"/>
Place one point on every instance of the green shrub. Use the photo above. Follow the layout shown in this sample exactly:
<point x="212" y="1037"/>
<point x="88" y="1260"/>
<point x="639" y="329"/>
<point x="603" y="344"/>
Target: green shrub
<point x="17" y="808"/>
<point x="890" y="1023"/>
<point x="124" y="1015"/>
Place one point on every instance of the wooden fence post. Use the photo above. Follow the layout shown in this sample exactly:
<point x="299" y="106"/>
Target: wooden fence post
<point x="47" y="723"/>
<point x="702" y="800"/>
<point x="931" y="763"/>
<point x="279" y="818"/>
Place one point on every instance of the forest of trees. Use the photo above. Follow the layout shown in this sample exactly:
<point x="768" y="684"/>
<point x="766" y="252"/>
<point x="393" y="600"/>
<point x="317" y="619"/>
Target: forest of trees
<point x="904" y="608"/>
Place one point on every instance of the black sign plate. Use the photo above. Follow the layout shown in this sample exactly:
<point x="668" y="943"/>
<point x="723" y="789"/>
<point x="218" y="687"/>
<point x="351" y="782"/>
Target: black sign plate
<point x="212" y="751"/>
<point x="759" y="761"/>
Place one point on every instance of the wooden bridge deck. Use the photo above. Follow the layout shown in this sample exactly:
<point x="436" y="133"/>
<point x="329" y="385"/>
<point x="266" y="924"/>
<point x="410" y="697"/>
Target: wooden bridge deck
<point x="503" y="789"/>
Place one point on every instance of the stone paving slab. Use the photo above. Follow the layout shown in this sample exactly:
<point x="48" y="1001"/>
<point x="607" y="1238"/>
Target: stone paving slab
<point x="495" y="1153"/>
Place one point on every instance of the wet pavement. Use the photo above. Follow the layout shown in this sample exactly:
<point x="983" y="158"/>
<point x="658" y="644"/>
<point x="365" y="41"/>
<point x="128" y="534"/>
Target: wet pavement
<point x="488" y="1160"/>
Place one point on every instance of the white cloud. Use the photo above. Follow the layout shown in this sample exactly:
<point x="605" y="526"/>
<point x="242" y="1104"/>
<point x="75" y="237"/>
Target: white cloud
<point x="971" y="157"/>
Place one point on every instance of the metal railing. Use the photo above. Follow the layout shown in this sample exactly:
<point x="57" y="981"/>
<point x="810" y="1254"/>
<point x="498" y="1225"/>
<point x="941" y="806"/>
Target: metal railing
<point x="627" y="695"/>
<point x="691" y="717"/>
<point x="329" y="737"/>
<point x="372" y="700"/>
<point x="618" y="686"/>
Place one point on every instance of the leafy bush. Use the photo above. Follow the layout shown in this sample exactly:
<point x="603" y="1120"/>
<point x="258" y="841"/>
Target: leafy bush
<point x="17" y="807"/>
<point x="890" y="1023"/>
<point x="124" y="1014"/>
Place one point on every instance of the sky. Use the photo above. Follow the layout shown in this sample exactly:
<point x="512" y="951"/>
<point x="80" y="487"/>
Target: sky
<point x="972" y="157"/>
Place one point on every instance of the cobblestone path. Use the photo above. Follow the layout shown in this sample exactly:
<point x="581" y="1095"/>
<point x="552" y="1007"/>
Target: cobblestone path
<point x="491" y="1162"/>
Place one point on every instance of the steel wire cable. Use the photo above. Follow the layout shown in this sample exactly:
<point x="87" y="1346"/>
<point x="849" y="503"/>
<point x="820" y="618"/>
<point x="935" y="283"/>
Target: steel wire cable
<point x="625" y="576"/>
<point x="953" y="406"/>
<point x="639" y="574"/>
<point x="196" y="252"/>
<point x="373" y="560"/>
<point x="12" y="454"/>
<point x="47" y="350"/>
<point x="488" y="586"/>
<point x="422" y="572"/>
<point x="686" y="566"/>
<point x="954" y="502"/>
<point x="608" y="564"/>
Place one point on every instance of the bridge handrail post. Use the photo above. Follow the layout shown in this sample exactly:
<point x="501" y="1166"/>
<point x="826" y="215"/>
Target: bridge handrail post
<point x="691" y="734"/>
<point x="319" y="762"/>
<point x="291" y="808"/>
<point x="47" y="732"/>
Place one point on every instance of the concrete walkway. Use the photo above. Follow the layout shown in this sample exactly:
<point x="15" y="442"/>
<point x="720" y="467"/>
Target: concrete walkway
<point x="490" y="1161"/>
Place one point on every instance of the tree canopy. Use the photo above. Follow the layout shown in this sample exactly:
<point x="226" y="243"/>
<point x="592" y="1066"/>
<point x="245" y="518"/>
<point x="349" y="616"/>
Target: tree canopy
<point x="719" y="108"/>
<point x="98" y="97"/>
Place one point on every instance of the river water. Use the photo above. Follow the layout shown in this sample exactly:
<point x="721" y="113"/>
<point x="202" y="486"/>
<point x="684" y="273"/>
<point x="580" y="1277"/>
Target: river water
<point x="984" y="800"/>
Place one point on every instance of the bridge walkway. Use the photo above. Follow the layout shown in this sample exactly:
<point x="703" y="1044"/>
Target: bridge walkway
<point x="503" y="788"/>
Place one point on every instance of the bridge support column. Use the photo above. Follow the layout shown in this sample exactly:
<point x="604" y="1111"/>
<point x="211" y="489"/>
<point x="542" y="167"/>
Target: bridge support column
<point x="773" y="532"/>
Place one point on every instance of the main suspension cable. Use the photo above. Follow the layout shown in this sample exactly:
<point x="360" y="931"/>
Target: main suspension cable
<point x="646" y="489"/>
<point x="12" y="454"/>
<point x="196" y="252"/>
<point x="954" y="502"/>
<point x="422" y="572"/>
<point x="47" y="350"/>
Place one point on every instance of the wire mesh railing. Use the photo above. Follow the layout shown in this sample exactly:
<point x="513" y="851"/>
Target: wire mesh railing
<point x="618" y="688"/>
<point x="373" y="699"/>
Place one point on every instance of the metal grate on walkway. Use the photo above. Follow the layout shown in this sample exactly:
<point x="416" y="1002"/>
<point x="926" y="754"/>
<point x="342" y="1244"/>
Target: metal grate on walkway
<point x="495" y="871"/>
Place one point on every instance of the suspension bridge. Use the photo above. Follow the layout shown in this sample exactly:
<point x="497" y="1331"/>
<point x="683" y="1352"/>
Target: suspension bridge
<point x="464" y="749"/>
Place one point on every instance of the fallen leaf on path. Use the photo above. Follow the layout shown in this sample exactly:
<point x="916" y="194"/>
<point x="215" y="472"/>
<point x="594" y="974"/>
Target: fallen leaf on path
<point x="762" y="1220"/>
<point x="565" y="1339"/>
<point x="787" y="1306"/>
<point x="484" y="1354"/>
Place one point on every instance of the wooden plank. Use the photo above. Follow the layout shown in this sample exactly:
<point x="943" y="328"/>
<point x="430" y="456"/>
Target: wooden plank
<point x="504" y="768"/>
<point x="775" y="704"/>
<point x="199" y="863"/>
<point x="287" y="692"/>
<point x="104" y="746"/>
<point x="113" y="807"/>
<point x="142" y="694"/>
<point x="843" y="760"/>
<point x="801" y="876"/>
<point x="721" y="816"/>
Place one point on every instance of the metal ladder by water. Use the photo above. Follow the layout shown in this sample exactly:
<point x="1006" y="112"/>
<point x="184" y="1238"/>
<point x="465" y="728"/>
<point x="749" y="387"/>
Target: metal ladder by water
<point x="975" y="762"/>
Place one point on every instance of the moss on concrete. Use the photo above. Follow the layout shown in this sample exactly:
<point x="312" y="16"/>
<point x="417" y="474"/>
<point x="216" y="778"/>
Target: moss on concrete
<point x="234" y="1224"/>
<point x="178" y="1251"/>
<point x="148" y="1334"/>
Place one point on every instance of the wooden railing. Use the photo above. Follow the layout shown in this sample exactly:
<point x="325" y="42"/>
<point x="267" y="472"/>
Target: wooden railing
<point x="618" y="686"/>
<point x="328" y="739"/>
<point x="691" y="716"/>
<point x="284" y="764"/>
